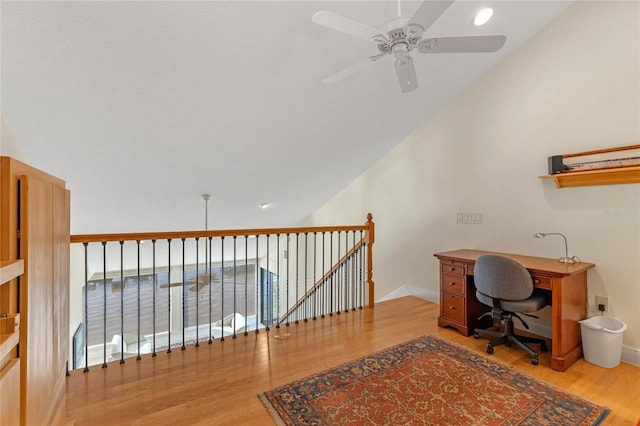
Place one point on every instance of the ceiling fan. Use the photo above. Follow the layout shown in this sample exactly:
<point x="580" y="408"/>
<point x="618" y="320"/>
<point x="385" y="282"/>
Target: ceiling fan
<point x="191" y="282"/>
<point x="403" y="35"/>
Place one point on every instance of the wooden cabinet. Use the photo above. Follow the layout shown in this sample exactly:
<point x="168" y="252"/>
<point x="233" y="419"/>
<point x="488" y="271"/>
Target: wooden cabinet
<point x="565" y="282"/>
<point x="34" y="271"/>
<point x="459" y="307"/>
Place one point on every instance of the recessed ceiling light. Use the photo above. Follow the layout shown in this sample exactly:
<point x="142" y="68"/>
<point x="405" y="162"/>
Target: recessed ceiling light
<point x="263" y="205"/>
<point x="483" y="16"/>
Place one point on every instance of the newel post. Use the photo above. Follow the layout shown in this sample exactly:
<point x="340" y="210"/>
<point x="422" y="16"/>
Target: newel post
<point x="369" y="240"/>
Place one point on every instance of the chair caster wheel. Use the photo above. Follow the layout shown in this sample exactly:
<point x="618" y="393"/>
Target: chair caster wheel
<point x="544" y="347"/>
<point x="489" y="349"/>
<point x="476" y="335"/>
<point x="534" y="361"/>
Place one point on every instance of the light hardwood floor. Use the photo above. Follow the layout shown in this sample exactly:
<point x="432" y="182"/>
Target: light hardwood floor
<point x="217" y="384"/>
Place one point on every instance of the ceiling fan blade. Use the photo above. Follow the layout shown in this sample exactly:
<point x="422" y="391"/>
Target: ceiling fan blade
<point x="406" y="72"/>
<point x="429" y="12"/>
<point x="198" y="287"/>
<point x="462" y="44"/>
<point x="180" y="283"/>
<point x="345" y="25"/>
<point x="171" y="285"/>
<point x="350" y="70"/>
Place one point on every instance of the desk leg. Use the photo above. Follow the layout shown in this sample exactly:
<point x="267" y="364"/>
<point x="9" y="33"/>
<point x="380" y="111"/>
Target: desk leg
<point x="569" y="305"/>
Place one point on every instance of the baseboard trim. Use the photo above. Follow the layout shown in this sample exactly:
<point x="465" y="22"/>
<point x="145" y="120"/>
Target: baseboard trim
<point x="409" y="290"/>
<point x="631" y="355"/>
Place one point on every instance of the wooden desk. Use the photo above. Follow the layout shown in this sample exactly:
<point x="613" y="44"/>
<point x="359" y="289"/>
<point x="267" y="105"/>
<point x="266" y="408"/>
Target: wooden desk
<point x="567" y="283"/>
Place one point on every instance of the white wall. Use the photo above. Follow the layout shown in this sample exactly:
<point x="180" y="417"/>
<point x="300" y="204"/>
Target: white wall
<point x="8" y="145"/>
<point x="573" y="87"/>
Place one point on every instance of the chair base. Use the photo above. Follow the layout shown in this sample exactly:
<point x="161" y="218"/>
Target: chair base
<point x="509" y="338"/>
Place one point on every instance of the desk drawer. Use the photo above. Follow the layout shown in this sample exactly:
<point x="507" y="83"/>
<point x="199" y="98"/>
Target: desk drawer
<point x="452" y="283"/>
<point x="540" y="281"/>
<point x="452" y="268"/>
<point x="452" y="307"/>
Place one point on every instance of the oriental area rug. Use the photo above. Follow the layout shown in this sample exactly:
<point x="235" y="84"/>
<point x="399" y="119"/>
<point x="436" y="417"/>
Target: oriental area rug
<point x="426" y="381"/>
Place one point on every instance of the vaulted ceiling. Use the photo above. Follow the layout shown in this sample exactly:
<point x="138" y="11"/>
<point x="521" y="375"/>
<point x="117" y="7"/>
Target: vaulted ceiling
<point x="144" y="106"/>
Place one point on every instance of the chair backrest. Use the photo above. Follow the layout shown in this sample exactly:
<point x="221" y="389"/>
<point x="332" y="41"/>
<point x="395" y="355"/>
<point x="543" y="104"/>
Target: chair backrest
<point x="502" y="278"/>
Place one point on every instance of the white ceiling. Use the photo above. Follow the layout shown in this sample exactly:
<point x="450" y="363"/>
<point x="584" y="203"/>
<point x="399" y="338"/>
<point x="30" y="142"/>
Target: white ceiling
<point x="143" y="106"/>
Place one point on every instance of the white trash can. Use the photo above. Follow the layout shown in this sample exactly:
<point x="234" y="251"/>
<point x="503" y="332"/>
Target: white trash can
<point x="602" y="340"/>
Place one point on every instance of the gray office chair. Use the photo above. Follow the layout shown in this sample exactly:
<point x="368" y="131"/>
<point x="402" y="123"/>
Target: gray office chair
<point x="507" y="287"/>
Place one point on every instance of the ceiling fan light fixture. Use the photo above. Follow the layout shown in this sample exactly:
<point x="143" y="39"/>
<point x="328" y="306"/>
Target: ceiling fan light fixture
<point x="483" y="16"/>
<point x="400" y="51"/>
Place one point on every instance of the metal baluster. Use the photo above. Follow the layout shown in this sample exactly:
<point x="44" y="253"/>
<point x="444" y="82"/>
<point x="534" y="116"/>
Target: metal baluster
<point x="86" y="308"/>
<point x="269" y="296"/>
<point x="331" y="282"/>
<point x="362" y="250"/>
<point x="155" y="286"/>
<point x="104" y="304"/>
<point x="184" y="298"/>
<point x="122" y="302"/>
<point x="354" y="264"/>
<point x="323" y="285"/>
<point x="297" y="276"/>
<point x="246" y="282"/>
<point x="257" y="286"/>
<point x="210" y="292"/>
<point x="197" y="293"/>
<point x="169" y="298"/>
<point x="288" y="268"/>
<point x="278" y="275"/>
<point x="315" y="292"/>
<point x="222" y="287"/>
<point x="234" y="285"/>
<point x="346" y="272"/>
<point x="338" y="278"/>
<point x="306" y="301"/>
<point x="138" y="358"/>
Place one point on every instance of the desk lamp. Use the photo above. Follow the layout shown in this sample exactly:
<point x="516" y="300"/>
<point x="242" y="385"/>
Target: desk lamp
<point x="566" y="258"/>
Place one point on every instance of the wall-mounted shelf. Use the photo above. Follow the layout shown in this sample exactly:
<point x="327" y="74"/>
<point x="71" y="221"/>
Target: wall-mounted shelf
<point x="612" y="176"/>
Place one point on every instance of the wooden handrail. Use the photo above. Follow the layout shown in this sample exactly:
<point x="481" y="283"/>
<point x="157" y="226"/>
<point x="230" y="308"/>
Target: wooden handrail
<point x="147" y="236"/>
<point x="322" y="280"/>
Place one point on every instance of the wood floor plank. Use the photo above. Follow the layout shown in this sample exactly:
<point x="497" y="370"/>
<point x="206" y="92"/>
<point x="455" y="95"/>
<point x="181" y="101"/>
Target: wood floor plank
<point x="218" y="383"/>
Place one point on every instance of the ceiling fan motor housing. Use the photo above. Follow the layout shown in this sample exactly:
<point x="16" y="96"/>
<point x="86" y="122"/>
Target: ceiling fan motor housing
<point x="408" y="36"/>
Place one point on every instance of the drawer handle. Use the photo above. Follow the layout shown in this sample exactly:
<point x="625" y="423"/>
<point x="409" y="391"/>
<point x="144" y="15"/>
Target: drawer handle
<point x="451" y="308"/>
<point x="452" y="283"/>
<point x="536" y="281"/>
<point x="452" y="269"/>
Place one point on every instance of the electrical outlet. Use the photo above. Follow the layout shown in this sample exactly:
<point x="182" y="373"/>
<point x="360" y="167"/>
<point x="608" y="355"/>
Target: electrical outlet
<point x="603" y="300"/>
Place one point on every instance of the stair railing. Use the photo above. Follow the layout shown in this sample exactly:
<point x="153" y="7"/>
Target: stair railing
<point x="144" y="293"/>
